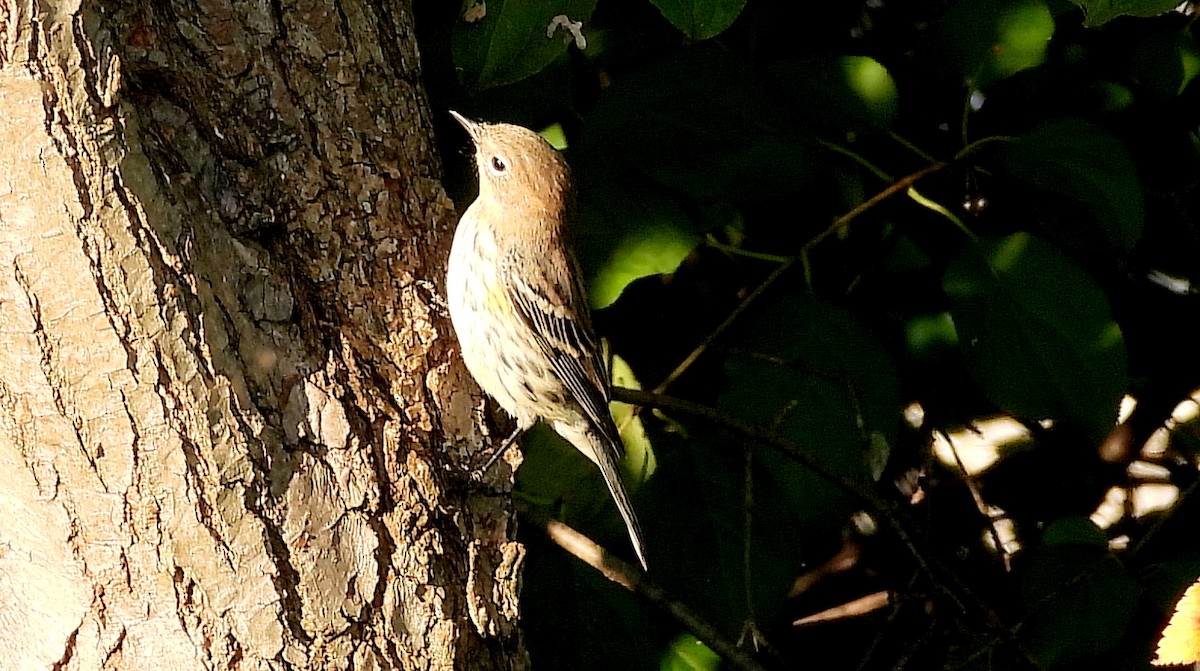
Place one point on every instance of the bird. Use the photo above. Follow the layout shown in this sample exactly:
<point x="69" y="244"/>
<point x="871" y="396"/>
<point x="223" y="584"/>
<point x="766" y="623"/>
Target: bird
<point x="518" y="307"/>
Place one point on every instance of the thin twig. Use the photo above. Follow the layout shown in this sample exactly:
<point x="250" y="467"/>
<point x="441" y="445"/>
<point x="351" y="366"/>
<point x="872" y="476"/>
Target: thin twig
<point x="793" y="450"/>
<point x="977" y="496"/>
<point x="734" y="250"/>
<point x="723" y="326"/>
<point x="934" y="206"/>
<point x="892" y="189"/>
<point x="853" y="608"/>
<point x="902" y="184"/>
<point x="780" y="442"/>
<point x="629" y="577"/>
<point x="747" y="524"/>
<point x="948" y="582"/>
<point x="911" y="146"/>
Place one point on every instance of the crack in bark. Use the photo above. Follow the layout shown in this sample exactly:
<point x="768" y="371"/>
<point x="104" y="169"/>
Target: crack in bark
<point x="58" y="129"/>
<point x="117" y="646"/>
<point x="206" y="515"/>
<point x="68" y="650"/>
<point x="54" y="381"/>
<point x="286" y="579"/>
<point x="90" y="68"/>
<point x="282" y="67"/>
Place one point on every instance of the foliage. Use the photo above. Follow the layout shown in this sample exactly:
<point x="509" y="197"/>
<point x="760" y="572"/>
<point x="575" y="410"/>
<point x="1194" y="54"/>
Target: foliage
<point x="983" y="208"/>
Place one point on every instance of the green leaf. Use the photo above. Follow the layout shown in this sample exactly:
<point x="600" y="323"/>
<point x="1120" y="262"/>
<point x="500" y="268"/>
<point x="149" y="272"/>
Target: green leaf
<point x="1037" y="334"/>
<point x="580" y="613"/>
<point x="989" y="40"/>
<point x="813" y="372"/>
<point x="1165" y="61"/>
<point x="700" y="19"/>
<point x="552" y="471"/>
<point x="698" y="530"/>
<point x="1086" y="164"/>
<point x="662" y="149"/>
<point x="719" y="137"/>
<point x="1079" y="600"/>
<point x="833" y="90"/>
<point x="925" y="335"/>
<point x="1166" y="580"/>
<point x="514" y="39"/>
<point x="1074" y="531"/>
<point x="640" y="461"/>
<point x="687" y="653"/>
<point x="1100" y="12"/>
<point x="653" y="239"/>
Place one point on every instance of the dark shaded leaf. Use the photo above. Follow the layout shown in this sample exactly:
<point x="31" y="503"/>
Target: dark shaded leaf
<point x="712" y="138"/>
<point x="1036" y="332"/>
<point x="1079" y="597"/>
<point x="1099" y="12"/>
<point x="1165" y="62"/>
<point x="700" y="19"/>
<point x="1083" y="162"/>
<point x="835" y="90"/>
<point x="514" y="39"/>
<point x="811" y="370"/>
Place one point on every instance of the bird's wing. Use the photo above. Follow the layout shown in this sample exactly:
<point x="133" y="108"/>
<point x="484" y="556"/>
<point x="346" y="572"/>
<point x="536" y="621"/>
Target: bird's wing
<point x="565" y="335"/>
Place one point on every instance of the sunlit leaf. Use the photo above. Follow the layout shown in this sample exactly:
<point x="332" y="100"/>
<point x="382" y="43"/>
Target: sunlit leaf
<point x="994" y="39"/>
<point x="689" y="654"/>
<point x="1180" y="642"/>
<point x="640" y="461"/>
<point x="656" y="245"/>
<point x="555" y="135"/>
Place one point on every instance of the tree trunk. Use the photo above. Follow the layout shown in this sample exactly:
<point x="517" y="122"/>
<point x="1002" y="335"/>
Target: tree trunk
<point x="233" y="424"/>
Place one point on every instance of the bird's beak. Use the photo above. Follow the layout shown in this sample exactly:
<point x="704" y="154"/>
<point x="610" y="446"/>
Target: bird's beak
<point x="471" y="126"/>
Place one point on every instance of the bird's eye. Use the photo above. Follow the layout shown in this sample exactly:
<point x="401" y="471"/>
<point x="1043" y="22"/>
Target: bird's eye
<point x="499" y="165"/>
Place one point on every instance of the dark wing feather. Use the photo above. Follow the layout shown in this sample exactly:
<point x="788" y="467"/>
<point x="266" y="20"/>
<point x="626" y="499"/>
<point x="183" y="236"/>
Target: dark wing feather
<point x="566" y="337"/>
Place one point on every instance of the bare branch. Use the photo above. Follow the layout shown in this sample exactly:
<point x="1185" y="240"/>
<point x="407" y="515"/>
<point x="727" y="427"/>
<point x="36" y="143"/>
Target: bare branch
<point x="632" y="579"/>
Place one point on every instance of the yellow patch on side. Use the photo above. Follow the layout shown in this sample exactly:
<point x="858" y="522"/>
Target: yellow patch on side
<point x="495" y="298"/>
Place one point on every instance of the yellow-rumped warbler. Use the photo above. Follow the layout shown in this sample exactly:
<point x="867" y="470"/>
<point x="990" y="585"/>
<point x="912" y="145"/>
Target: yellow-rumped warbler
<point x="518" y="306"/>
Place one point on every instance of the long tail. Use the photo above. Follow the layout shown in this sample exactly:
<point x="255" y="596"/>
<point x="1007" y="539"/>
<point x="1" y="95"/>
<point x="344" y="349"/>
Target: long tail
<point x="604" y="448"/>
<point x="606" y="459"/>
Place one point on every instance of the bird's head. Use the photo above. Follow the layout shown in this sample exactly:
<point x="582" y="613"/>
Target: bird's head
<point x="518" y="170"/>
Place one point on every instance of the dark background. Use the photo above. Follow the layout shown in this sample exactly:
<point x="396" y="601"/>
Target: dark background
<point x="1041" y="270"/>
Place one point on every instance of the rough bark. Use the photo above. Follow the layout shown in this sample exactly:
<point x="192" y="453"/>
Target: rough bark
<point x="233" y="427"/>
